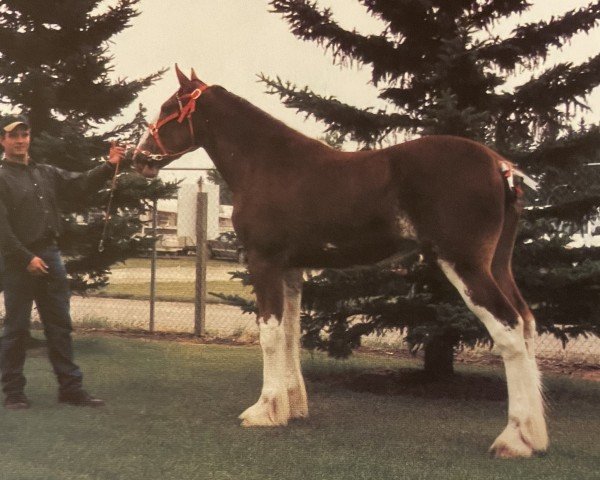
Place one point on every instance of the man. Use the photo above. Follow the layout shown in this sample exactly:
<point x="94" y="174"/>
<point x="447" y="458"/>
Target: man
<point x="32" y="342"/>
<point x="30" y="224"/>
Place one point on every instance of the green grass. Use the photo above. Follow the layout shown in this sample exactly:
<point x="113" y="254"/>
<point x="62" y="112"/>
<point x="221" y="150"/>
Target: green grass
<point x="175" y="291"/>
<point x="172" y="408"/>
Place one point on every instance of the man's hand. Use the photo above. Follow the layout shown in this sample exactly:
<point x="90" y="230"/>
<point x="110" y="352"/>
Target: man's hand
<point x="37" y="267"/>
<point x="116" y="154"/>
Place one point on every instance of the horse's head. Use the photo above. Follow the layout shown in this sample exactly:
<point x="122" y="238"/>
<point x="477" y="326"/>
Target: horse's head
<point x="173" y="132"/>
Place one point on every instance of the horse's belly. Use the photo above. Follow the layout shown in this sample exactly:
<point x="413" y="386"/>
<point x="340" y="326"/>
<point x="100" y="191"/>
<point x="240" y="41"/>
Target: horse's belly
<point x="341" y="245"/>
<point x="347" y="254"/>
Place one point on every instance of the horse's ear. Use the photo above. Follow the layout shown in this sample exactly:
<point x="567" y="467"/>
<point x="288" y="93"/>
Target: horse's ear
<point x="194" y="78"/>
<point x="183" y="80"/>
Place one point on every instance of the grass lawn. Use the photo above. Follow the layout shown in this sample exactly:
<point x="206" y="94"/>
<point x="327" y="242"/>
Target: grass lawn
<point x="172" y="409"/>
<point x="175" y="291"/>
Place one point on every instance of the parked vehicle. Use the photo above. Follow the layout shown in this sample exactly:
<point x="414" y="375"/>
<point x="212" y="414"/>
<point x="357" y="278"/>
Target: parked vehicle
<point x="168" y="242"/>
<point x="226" y="246"/>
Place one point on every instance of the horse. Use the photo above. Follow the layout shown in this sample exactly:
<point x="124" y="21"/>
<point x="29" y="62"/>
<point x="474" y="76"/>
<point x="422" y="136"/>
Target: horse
<point x="299" y="204"/>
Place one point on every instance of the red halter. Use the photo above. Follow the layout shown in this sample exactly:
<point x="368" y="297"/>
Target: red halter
<point x="185" y="112"/>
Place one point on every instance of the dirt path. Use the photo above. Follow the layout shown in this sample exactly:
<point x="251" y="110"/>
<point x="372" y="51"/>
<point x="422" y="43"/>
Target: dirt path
<point x="221" y="320"/>
<point x="173" y="274"/>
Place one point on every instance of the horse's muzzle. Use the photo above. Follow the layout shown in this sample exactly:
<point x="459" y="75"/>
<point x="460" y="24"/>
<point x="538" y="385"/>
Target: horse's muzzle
<point x="142" y="165"/>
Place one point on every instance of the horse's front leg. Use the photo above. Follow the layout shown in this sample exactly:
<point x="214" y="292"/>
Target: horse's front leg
<point x="278" y="297"/>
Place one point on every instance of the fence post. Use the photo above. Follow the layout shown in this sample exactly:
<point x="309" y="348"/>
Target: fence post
<point x="200" y="294"/>
<point x="153" y="266"/>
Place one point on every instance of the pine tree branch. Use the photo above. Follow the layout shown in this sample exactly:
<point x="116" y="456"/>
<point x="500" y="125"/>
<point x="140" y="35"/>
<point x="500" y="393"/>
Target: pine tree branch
<point x="404" y="97"/>
<point x="565" y="90"/>
<point x="562" y="84"/>
<point x="489" y="13"/>
<point x="364" y="126"/>
<point x="564" y="153"/>
<point x="102" y="27"/>
<point x="9" y="18"/>
<point x="530" y="256"/>
<point x="533" y="41"/>
<point x="406" y="18"/>
<point x="27" y="43"/>
<point x="386" y="58"/>
<point x="103" y="100"/>
<point x="573" y="211"/>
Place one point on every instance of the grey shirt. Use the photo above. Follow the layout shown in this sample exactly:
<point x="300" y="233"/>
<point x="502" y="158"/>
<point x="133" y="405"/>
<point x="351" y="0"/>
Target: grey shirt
<point x="29" y="196"/>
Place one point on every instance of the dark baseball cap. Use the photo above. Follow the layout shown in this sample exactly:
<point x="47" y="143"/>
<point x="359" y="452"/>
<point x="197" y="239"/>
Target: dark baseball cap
<point x="10" y="122"/>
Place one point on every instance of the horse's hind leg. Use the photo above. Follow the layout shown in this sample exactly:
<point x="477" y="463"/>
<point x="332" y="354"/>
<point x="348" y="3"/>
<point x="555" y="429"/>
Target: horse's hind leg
<point x="502" y="272"/>
<point x="526" y="429"/>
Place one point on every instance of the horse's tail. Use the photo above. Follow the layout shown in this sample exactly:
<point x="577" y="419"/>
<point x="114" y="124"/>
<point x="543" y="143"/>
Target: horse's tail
<point x="514" y="178"/>
<point x="526" y="179"/>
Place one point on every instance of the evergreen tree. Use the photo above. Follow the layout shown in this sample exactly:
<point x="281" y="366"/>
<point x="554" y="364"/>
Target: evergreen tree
<point x="55" y="68"/>
<point x="442" y="70"/>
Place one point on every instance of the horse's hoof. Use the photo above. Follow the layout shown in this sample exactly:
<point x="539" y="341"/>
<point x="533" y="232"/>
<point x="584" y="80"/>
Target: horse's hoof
<point x="267" y="412"/>
<point x="260" y="421"/>
<point x="298" y="404"/>
<point x="516" y="448"/>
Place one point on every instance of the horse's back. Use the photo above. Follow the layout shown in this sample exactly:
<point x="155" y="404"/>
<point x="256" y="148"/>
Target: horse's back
<point x="442" y="156"/>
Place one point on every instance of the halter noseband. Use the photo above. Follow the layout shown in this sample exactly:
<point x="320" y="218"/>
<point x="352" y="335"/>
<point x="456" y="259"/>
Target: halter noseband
<point x="185" y="112"/>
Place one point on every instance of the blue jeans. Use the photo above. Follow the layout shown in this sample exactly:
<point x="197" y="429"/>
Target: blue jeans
<point x="52" y="297"/>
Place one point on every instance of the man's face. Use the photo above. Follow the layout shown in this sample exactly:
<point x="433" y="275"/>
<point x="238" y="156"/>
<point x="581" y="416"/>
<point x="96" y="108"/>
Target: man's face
<point x="16" y="142"/>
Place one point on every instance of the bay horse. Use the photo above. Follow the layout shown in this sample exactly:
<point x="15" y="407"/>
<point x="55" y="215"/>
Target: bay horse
<point x="298" y="204"/>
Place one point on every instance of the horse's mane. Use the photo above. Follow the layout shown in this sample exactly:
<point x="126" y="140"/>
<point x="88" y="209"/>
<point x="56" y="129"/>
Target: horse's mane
<point x="243" y="116"/>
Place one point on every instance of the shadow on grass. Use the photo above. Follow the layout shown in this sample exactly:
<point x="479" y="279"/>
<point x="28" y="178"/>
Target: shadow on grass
<point x="91" y="346"/>
<point x="414" y="382"/>
<point x="462" y="385"/>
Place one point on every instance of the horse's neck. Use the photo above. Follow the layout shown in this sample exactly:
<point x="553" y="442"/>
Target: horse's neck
<point x="228" y="160"/>
<point x="242" y="138"/>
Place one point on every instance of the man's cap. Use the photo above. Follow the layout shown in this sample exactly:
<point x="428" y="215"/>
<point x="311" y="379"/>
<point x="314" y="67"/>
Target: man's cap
<point x="10" y="122"/>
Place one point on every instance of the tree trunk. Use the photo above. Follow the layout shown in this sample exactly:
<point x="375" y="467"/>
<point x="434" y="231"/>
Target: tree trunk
<point x="439" y="357"/>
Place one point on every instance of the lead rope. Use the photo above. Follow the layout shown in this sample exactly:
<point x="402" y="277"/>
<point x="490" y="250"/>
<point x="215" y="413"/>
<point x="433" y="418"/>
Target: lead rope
<point x="113" y="187"/>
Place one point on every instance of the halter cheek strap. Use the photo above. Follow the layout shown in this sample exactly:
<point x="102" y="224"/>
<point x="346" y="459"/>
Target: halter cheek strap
<point x="190" y="107"/>
<point x="185" y="112"/>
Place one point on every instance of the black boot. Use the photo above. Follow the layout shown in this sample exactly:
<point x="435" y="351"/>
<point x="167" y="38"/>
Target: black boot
<point x="79" y="398"/>
<point x="16" y="401"/>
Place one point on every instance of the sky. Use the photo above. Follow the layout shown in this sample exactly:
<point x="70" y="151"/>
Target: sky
<point x="230" y="42"/>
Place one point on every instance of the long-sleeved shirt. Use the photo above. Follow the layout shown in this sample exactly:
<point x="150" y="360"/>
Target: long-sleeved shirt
<point x="29" y="196"/>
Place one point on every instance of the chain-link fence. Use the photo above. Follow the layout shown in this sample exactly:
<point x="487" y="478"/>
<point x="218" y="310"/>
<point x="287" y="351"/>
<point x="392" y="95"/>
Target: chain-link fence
<point x="161" y="292"/>
<point x="177" y="287"/>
